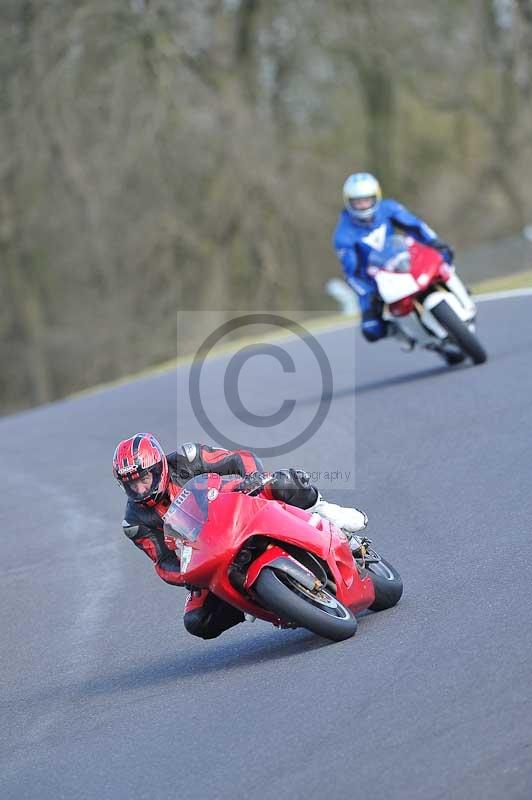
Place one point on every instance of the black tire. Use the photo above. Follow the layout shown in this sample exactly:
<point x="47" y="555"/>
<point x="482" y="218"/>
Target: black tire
<point x="387" y="583"/>
<point x="292" y="602"/>
<point x="459" y="332"/>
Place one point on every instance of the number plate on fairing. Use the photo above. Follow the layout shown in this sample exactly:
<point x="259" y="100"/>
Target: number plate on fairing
<point x="186" y="555"/>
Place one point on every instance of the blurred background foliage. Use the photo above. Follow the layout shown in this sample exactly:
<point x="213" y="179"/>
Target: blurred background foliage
<point x="165" y="154"/>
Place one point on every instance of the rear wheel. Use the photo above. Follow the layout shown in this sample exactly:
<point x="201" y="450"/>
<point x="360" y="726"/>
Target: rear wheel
<point x="387" y="583"/>
<point x="318" y="611"/>
<point x="459" y="332"/>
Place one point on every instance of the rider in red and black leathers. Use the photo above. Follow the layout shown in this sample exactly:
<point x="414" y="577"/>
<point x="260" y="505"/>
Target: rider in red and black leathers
<point x="152" y="480"/>
<point x="205" y="615"/>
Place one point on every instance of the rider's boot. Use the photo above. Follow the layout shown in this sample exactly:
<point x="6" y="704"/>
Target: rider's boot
<point x="393" y="330"/>
<point x="350" y="520"/>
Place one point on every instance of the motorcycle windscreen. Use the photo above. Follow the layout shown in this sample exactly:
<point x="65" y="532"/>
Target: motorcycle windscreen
<point x="394" y="286"/>
<point x="190" y="510"/>
<point x="390" y="266"/>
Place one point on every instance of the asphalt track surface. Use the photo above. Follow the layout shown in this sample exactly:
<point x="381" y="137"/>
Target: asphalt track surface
<point x="104" y="695"/>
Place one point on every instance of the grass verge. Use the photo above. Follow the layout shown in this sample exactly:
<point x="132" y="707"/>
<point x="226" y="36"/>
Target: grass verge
<point x="519" y="280"/>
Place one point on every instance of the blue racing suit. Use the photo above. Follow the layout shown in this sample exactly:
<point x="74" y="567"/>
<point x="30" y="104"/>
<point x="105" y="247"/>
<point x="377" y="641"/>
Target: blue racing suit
<point x="354" y="241"/>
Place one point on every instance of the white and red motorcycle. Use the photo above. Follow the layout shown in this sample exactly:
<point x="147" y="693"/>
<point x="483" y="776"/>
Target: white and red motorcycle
<point x="426" y="299"/>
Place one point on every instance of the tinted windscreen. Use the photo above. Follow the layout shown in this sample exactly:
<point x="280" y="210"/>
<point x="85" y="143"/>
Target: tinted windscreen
<point x="394" y="256"/>
<point x="190" y="510"/>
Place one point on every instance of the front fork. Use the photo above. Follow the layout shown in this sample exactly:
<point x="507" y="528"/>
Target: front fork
<point x="458" y="299"/>
<point x="455" y="285"/>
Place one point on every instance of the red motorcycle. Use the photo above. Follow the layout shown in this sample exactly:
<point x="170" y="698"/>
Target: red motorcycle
<point x="276" y="562"/>
<point x="426" y="299"/>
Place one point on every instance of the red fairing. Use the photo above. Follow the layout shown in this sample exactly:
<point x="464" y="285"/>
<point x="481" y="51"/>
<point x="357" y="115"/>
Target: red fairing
<point x="402" y="307"/>
<point x="195" y="600"/>
<point x="424" y="261"/>
<point x="262" y="561"/>
<point x="427" y="267"/>
<point x="221" y="522"/>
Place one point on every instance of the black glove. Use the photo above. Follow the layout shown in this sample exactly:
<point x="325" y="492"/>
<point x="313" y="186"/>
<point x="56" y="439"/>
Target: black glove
<point x="293" y="486"/>
<point x="252" y="484"/>
<point x="445" y="249"/>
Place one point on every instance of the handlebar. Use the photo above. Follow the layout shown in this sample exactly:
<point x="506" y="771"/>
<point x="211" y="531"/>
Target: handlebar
<point x="255" y="482"/>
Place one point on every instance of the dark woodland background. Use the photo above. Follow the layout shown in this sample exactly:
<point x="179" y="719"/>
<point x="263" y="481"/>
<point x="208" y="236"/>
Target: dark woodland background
<point x="165" y="154"/>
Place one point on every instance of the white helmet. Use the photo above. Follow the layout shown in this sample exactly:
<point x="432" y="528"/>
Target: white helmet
<point x="362" y="186"/>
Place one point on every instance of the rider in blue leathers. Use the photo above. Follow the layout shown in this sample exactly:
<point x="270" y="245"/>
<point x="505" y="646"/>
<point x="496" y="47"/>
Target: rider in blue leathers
<point x="365" y="224"/>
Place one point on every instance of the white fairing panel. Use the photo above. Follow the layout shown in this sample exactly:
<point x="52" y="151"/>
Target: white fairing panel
<point x="437" y="297"/>
<point x="434" y="299"/>
<point x="455" y="285"/>
<point x="394" y="286"/>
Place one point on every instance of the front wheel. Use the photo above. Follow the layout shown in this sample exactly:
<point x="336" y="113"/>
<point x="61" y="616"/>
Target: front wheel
<point x="459" y="332"/>
<point x="387" y="583"/>
<point x="318" y="611"/>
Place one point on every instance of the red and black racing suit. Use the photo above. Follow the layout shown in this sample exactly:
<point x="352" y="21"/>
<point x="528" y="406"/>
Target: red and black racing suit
<point x="205" y="614"/>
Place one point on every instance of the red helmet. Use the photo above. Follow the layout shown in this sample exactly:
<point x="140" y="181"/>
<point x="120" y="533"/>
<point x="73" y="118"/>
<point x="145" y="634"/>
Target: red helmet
<point x="137" y="459"/>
